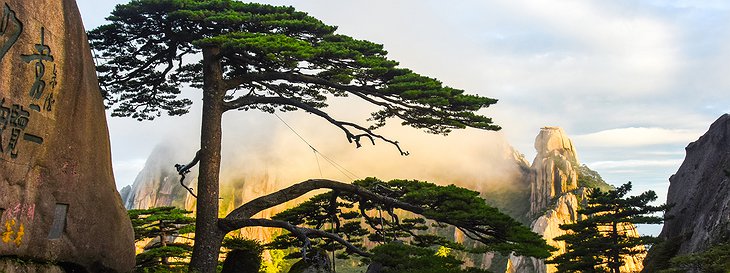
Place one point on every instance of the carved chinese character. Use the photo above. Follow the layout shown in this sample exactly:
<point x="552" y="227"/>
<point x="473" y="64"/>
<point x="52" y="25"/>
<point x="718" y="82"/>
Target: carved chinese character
<point x="48" y="102"/>
<point x="54" y="78"/>
<point x="43" y="54"/>
<point x="18" y="122"/>
<point x="16" y="119"/>
<point x="4" y="120"/>
<point x="10" y="30"/>
<point x="8" y="232"/>
<point x="19" y="117"/>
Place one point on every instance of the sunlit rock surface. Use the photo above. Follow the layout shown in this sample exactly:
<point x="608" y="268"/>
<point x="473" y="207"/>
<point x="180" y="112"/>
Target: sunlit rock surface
<point x="548" y="225"/>
<point x="553" y="170"/>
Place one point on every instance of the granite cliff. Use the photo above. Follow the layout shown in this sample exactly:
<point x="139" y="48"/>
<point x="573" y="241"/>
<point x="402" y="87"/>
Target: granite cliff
<point x="700" y="195"/>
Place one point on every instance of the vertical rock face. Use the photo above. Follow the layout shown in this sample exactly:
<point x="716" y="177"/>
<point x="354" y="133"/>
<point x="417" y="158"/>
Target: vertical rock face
<point x="553" y="170"/>
<point x="565" y="211"/>
<point x="700" y="193"/>
<point x="57" y="191"/>
<point x="158" y="184"/>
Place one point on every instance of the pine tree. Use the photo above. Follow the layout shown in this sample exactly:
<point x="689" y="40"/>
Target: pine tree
<point x="243" y="256"/>
<point x="715" y="259"/>
<point x="161" y="225"/>
<point x="409" y="233"/>
<point x="248" y="56"/>
<point x="601" y="241"/>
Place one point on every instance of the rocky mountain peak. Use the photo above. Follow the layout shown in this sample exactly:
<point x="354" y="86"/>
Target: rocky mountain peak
<point x="554" y="139"/>
<point x="554" y="199"/>
<point x="554" y="168"/>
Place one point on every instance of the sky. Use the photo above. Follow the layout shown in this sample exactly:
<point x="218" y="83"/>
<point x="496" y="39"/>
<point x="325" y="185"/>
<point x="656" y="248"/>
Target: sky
<point x="632" y="82"/>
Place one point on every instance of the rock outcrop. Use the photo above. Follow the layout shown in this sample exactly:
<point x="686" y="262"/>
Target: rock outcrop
<point x="58" y="199"/>
<point x="555" y="199"/>
<point x="553" y="170"/>
<point x="700" y="195"/>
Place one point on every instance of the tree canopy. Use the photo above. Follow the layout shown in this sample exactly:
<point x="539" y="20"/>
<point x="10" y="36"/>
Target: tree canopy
<point x="244" y="255"/>
<point x="403" y="258"/>
<point x="715" y="259"/>
<point x="601" y="241"/>
<point x="162" y="225"/>
<point x="272" y="59"/>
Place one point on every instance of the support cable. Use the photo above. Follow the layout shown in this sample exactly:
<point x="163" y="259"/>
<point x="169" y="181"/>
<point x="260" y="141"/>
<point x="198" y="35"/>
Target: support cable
<point x="347" y="173"/>
<point x="337" y="166"/>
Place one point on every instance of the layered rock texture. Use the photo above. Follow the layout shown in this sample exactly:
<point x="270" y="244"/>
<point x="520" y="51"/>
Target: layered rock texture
<point x="556" y="197"/>
<point x="58" y="193"/>
<point x="700" y="195"/>
<point x="158" y="185"/>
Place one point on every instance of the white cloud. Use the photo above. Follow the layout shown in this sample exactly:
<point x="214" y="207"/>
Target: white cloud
<point x="597" y="47"/>
<point x="636" y="136"/>
<point x="624" y="165"/>
<point x="693" y="4"/>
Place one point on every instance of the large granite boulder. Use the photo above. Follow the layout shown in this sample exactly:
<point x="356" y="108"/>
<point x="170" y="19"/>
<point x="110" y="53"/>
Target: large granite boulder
<point x="700" y="195"/>
<point x="59" y="202"/>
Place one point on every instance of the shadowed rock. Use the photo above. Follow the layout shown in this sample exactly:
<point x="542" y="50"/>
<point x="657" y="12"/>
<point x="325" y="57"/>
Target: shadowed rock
<point x="700" y="193"/>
